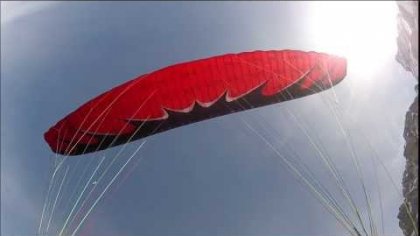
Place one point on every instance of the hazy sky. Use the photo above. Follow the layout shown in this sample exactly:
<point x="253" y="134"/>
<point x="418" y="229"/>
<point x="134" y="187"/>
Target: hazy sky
<point x="214" y="177"/>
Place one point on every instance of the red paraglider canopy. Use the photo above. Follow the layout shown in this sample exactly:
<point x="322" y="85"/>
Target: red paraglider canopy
<point x="193" y="91"/>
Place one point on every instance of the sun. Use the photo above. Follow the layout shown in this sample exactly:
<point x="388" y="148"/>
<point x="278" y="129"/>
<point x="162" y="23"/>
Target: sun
<point x="363" y="32"/>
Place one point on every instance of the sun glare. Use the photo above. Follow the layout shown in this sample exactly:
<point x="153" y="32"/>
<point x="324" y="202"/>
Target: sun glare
<point x="363" y="32"/>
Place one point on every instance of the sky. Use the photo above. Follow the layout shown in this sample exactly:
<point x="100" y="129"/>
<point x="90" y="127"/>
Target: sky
<point x="215" y="177"/>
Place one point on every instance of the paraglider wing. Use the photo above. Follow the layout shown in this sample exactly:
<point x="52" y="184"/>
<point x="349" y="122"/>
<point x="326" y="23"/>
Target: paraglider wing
<point x="190" y="92"/>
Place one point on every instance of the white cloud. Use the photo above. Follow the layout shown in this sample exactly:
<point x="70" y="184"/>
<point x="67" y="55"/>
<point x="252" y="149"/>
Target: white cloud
<point x="12" y="10"/>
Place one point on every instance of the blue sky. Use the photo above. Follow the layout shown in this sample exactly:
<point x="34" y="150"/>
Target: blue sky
<point x="211" y="178"/>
